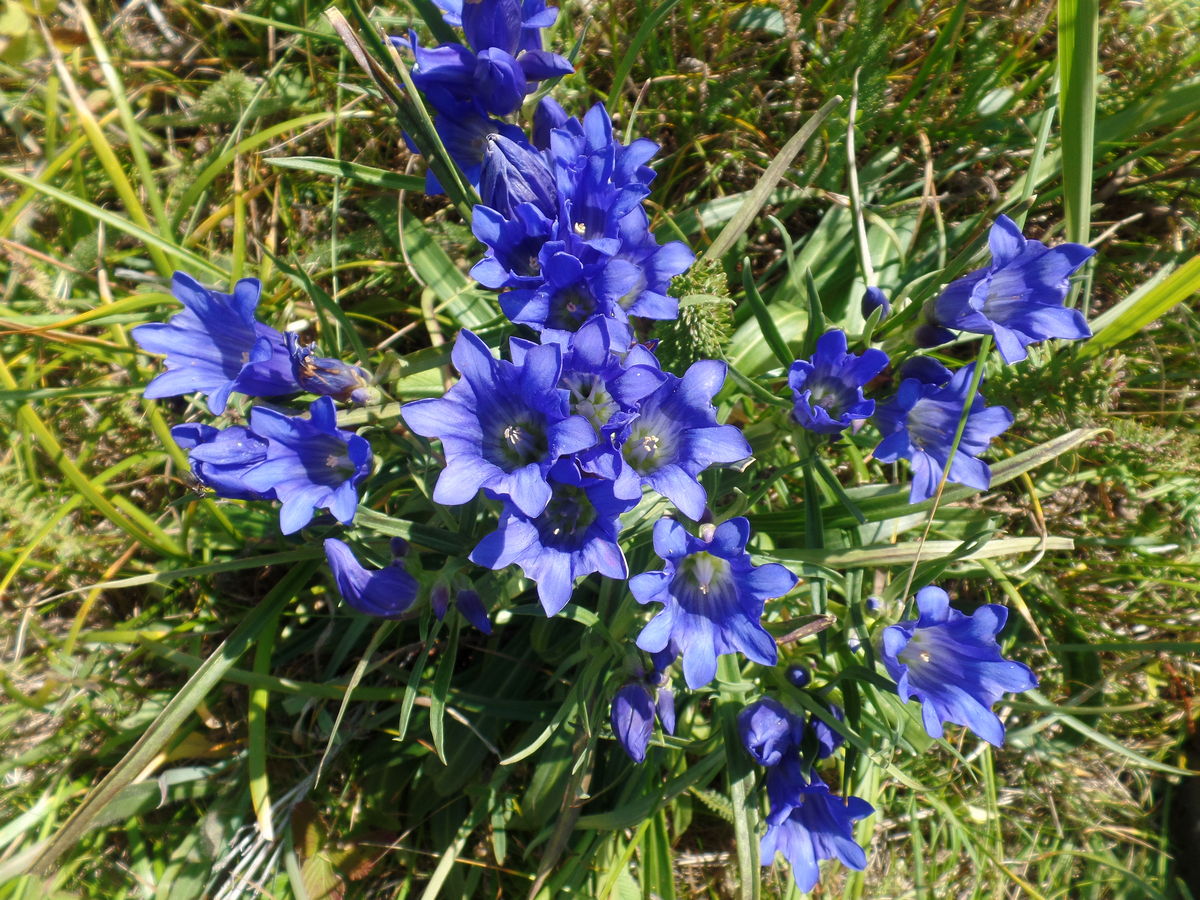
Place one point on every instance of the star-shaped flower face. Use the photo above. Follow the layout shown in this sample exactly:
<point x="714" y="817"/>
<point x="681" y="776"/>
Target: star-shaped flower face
<point x="951" y="663"/>
<point x="575" y="535"/>
<point x="216" y="347"/>
<point x="828" y="388"/>
<point x="919" y="425"/>
<point x="502" y="426"/>
<point x="712" y="598"/>
<point x="1019" y="297"/>
<point x="310" y="463"/>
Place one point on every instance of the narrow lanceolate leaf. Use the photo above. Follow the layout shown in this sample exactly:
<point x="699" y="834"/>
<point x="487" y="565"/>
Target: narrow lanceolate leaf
<point x="1078" y="26"/>
<point x="167" y="722"/>
<point x="881" y="555"/>
<point x="754" y="201"/>
<point x="1143" y="306"/>
<point x="368" y="175"/>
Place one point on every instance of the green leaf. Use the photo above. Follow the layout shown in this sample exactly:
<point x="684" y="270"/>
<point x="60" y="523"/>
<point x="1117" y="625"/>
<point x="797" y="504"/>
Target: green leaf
<point x="340" y="168"/>
<point x="1153" y="300"/>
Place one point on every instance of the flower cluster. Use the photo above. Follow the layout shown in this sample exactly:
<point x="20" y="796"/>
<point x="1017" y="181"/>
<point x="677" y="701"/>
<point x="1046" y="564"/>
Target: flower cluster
<point x="806" y="823"/>
<point x="469" y="85"/>
<point x="566" y="235"/>
<point x="216" y="347"/>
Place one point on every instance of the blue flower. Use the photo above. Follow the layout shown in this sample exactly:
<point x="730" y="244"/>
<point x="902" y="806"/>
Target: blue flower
<point x="769" y="730"/>
<point x="951" y="663"/>
<point x="502" y="426"/>
<point x="470" y="606"/>
<point x="464" y="133"/>
<point x="514" y="173"/>
<point x="310" y="463"/>
<point x="712" y="598"/>
<point x="874" y="298"/>
<point x="1019" y="297"/>
<point x="496" y="71"/>
<point x="632" y="719"/>
<point x="327" y="377"/>
<point x="216" y="347"/>
<point x="534" y="17"/>
<point x="919" y="424"/>
<point x="675" y="436"/>
<point x="828" y="389"/>
<point x="220" y="458"/>
<point x="814" y="825"/>
<point x="547" y="116"/>
<point x="386" y="592"/>
<point x="584" y="251"/>
<point x="574" y="535"/>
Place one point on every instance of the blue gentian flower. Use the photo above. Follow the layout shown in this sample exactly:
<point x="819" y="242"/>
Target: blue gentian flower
<point x="769" y="730"/>
<point x="828" y="739"/>
<point x="514" y="173"/>
<point x="874" y="298"/>
<point x="828" y="388"/>
<point x="951" y="663"/>
<point x="675" y="436"/>
<point x="535" y="16"/>
<point x="632" y="719"/>
<point x="327" y="377"/>
<point x="386" y="592"/>
<point x="814" y="825"/>
<point x="310" y="463"/>
<point x="216" y="347"/>
<point x="1019" y="297"/>
<point x="470" y="606"/>
<point x="588" y="253"/>
<point x="547" y="116"/>
<point x="220" y="458"/>
<point x="919" y="424"/>
<point x="502" y="426"/>
<point x="573" y="536"/>
<point x="712" y="598"/>
<point x="464" y="133"/>
<point x="495" y="72"/>
<point x="797" y="675"/>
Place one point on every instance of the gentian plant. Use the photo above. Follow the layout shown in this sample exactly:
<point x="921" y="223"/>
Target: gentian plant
<point x="562" y="472"/>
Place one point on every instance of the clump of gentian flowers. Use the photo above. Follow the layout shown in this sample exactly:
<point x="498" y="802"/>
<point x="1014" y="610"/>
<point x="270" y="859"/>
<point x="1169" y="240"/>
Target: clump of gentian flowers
<point x="580" y="427"/>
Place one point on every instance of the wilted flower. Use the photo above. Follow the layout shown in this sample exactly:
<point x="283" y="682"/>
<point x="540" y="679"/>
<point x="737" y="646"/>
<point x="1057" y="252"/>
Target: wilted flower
<point x="327" y="377"/>
<point x="386" y="592"/>
<point x="828" y="389"/>
<point x="216" y="347"/>
<point x="951" y="663"/>
<point x="919" y="425"/>
<point x="1019" y="297"/>
<point x="712" y="598"/>
<point x="310" y="463"/>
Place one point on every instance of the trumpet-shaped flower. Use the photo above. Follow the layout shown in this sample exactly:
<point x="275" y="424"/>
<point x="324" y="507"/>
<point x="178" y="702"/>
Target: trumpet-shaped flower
<point x="1019" y="297"/>
<point x="811" y="826"/>
<point x="675" y="436"/>
<point x="632" y="720"/>
<point x="310" y="463"/>
<point x="574" y="535"/>
<point x="919" y="425"/>
<point x="502" y="426"/>
<point x="828" y="388"/>
<point x="216" y="347"/>
<point x="712" y="598"/>
<point x="220" y="458"/>
<point x="951" y="663"/>
<point x="386" y="592"/>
